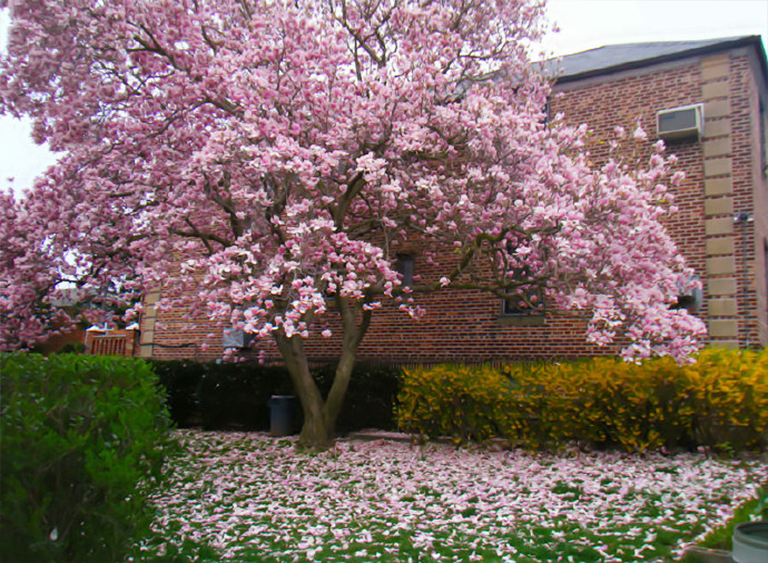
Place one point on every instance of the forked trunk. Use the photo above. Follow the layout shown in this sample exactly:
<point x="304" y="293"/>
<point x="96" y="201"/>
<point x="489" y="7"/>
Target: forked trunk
<point x="319" y="430"/>
<point x="316" y="433"/>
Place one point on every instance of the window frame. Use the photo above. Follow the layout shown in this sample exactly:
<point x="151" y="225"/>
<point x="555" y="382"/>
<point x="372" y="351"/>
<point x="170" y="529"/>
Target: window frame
<point x="510" y="310"/>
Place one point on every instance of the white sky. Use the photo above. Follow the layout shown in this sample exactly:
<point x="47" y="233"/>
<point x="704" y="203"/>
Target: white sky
<point x="584" y="24"/>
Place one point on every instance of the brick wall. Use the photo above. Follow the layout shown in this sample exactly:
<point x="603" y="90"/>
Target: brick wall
<point x="723" y="178"/>
<point x="723" y="174"/>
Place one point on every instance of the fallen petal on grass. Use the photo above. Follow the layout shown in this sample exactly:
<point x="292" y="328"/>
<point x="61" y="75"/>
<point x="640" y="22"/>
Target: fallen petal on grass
<point x="250" y="497"/>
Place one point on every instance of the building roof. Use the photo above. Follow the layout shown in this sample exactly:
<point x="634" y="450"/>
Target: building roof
<point x="615" y="58"/>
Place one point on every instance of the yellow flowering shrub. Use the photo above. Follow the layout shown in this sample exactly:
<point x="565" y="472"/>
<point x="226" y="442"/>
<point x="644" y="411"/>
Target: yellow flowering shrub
<point x="720" y="401"/>
<point x="463" y="402"/>
<point x="730" y="394"/>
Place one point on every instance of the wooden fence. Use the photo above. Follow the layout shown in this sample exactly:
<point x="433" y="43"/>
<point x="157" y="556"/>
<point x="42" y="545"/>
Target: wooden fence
<point x="115" y="342"/>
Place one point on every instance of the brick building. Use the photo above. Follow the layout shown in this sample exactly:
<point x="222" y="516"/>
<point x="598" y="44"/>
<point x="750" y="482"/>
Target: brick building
<point x="710" y="99"/>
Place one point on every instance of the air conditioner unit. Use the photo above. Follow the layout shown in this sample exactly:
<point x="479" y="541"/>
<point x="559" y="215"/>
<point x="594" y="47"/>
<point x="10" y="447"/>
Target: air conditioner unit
<point x="686" y="122"/>
<point x="232" y="338"/>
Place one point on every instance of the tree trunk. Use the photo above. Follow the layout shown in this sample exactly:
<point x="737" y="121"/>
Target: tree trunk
<point x="315" y="434"/>
<point x="353" y="335"/>
<point x="318" y="432"/>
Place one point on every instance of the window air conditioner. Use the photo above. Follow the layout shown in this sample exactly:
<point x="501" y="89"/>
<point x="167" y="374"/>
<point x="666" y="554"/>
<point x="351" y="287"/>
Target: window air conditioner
<point x="686" y="122"/>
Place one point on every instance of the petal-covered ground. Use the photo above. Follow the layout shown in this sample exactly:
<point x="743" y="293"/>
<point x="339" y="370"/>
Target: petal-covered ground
<point x="250" y="497"/>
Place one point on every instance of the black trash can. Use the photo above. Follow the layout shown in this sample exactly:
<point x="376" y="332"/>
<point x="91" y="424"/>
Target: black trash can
<point x="281" y="415"/>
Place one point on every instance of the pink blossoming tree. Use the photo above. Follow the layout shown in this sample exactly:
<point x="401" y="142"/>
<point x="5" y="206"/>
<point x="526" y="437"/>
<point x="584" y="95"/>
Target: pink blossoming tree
<point x="270" y="153"/>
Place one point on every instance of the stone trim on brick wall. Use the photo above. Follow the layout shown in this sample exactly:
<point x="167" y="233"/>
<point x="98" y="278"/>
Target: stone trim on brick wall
<point x="720" y="246"/>
<point x="722" y="286"/>
<point x="718" y="167"/>
<point x="717" y="150"/>
<point x="718" y="226"/>
<point x="719" y="146"/>
<point x="149" y="318"/>
<point x="722" y="307"/>
<point x="717" y="186"/>
<point x="717" y="128"/>
<point x="714" y="90"/>
<point x="732" y="344"/>
<point x="723" y="328"/>
<point x="714" y="68"/>
<point x="721" y="265"/>
<point x="718" y="206"/>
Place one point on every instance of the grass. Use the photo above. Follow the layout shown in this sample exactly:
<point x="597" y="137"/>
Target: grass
<point x="249" y="497"/>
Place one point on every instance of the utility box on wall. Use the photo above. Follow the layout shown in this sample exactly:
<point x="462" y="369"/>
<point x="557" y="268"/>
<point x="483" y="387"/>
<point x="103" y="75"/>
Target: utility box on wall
<point x="232" y="338"/>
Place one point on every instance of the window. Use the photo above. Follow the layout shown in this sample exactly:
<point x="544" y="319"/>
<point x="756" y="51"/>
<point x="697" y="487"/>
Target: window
<point x="687" y="302"/>
<point x="529" y="300"/>
<point x="529" y="303"/>
<point x="404" y="267"/>
<point x="236" y="338"/>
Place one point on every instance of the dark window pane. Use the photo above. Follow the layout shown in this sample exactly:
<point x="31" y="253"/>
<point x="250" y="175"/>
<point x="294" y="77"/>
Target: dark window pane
<point x="404" y="267"/>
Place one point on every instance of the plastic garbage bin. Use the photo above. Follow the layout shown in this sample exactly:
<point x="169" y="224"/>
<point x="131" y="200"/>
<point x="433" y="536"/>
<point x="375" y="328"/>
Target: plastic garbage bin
<point x="750" y="542"/>
<point x="281" y="415"/>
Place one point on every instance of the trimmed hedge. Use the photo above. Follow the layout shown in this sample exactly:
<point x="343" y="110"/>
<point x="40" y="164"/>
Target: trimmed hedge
<point x="235" y="396"/>
<point x="82" y="444"/>
<point x="720" y="402"/>
<point x="370" y="398"/>
<point x="220" y="396"/>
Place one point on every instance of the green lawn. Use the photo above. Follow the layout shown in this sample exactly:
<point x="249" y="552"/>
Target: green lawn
<point x="249" y="497"/>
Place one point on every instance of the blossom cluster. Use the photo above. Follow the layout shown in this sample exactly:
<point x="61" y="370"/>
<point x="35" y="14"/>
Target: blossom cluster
<point x="262" y="157"/>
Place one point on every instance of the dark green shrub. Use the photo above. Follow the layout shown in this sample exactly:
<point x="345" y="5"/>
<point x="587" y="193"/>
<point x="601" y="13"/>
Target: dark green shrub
<point x="82" y="444"/>
<point x="221" y="396"/>
<point x="73" y="348"/>
<point x="181" y="380"/>
<point x="236" y="396"/>
<point x="370" y="398"/>
<point x="229" y="396"/>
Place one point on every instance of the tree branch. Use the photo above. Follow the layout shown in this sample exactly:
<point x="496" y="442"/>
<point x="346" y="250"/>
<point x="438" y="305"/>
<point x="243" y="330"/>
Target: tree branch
<point x="205" y="238"/>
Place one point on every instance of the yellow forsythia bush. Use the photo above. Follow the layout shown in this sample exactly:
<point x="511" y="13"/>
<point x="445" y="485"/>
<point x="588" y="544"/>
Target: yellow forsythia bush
<point x="463" y="402"/>
<point x="720" y="401"/>
<point x="730" y="394"/>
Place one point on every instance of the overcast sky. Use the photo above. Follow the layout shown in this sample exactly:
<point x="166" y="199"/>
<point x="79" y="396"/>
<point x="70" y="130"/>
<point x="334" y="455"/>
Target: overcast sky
<point x="584" y="24"/>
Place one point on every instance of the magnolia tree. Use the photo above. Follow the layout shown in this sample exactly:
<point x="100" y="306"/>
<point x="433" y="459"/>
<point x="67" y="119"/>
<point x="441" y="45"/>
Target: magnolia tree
<point x="271" y="154"/>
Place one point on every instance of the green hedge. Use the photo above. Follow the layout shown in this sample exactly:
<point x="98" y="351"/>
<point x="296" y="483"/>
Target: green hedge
<point x="370" y="398"/>
<point x="220" y="396"/>
<point x="235" y="396"/>
<point x="82" y="443"/>
<point x="721" y="402"/>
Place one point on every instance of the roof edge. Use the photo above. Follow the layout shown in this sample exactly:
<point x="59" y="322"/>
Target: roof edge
<point x="746" y="41"/>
